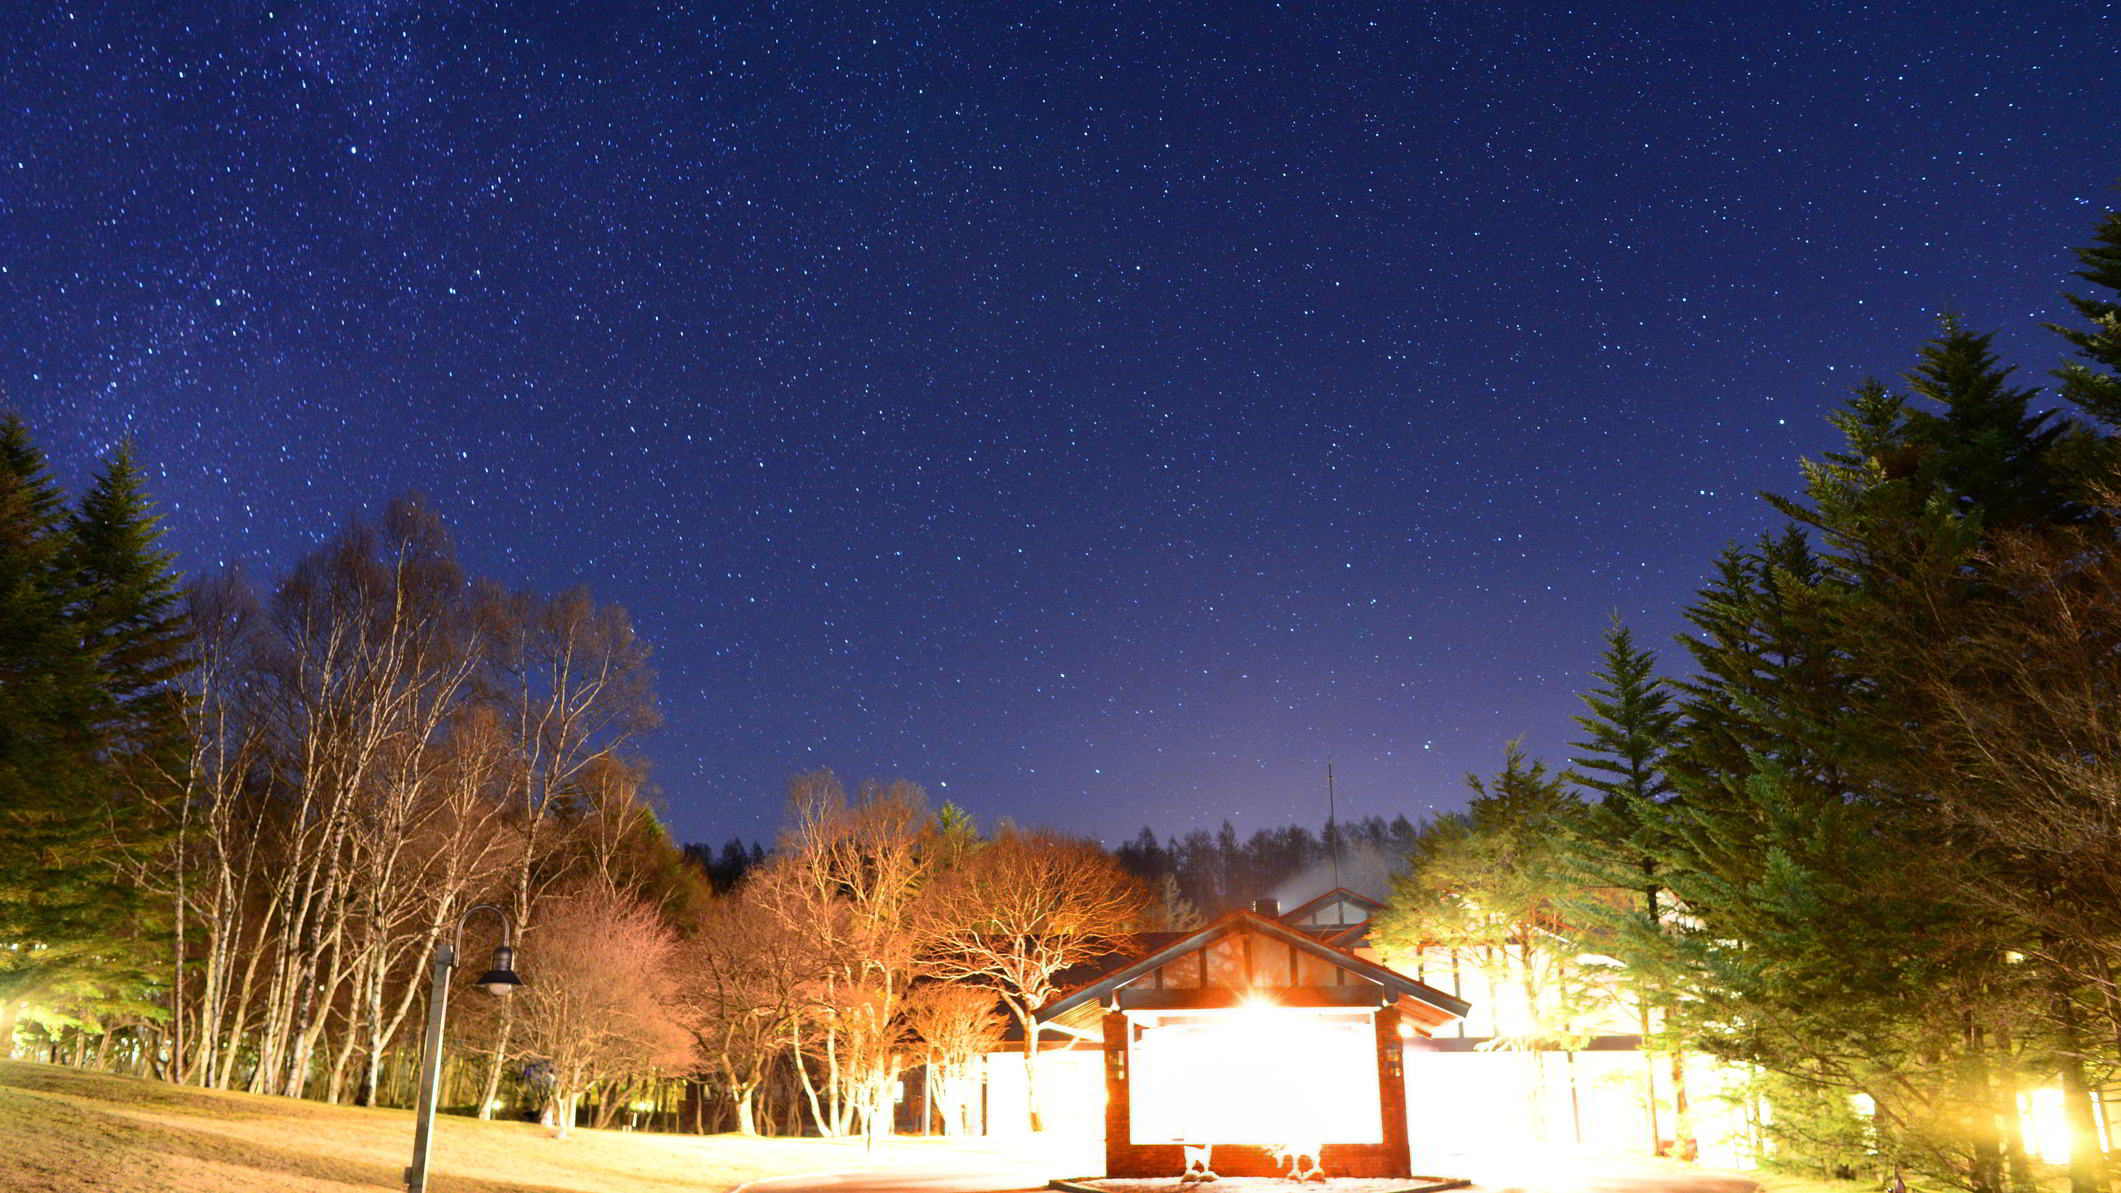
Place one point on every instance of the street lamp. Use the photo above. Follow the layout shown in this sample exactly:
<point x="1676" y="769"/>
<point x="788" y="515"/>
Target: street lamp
<point x="499" y="980"/>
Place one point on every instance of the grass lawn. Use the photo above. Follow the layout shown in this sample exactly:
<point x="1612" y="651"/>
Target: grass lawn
<point x="64" y="1131"/>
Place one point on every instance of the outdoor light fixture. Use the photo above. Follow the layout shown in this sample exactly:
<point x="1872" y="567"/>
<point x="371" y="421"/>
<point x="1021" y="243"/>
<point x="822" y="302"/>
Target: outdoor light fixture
<point x="499" y="980"/>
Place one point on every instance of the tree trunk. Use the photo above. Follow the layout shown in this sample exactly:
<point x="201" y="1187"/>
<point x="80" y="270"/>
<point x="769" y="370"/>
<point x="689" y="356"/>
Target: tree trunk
<point x="2087" y="1162"/>
<point x="1649" y="1066"/>
<point x="490" y="1091"/>
<point x="210" y="1003"/>
<point x="238" y="1013"/>
<point x="342" y="1065"/>
<point x="1649" y="1080"/>
<point x="179" y="1064"/>
<point x="802" y="1071"/>
<point x="835" y="1092"/>
<point x="10" y="1014"/>
<point x="1985" y="1169"/>
<point x="740" y="1094"/>
<point x="1038" y="1119"/>
<point x="1575" y="1096"/>
<point x="1684" y="1145"/>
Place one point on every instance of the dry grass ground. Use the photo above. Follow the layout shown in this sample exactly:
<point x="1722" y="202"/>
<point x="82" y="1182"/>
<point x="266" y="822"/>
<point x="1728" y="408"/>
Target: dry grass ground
<point x="1776" y="1182"/>
<point x="64" y="1131"/>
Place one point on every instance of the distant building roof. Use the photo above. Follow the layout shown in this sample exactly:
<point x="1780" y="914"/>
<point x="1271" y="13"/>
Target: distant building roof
<point x="1308" y="906"/>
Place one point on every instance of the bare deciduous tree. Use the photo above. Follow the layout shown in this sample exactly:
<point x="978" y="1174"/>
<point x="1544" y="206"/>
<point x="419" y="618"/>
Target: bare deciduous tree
<point x="214" y="866"/>
<point x="2019" y="699"/>
<point x="573" y="688"/>
<point x="372" y="655"/>
<point x="745" y="981"/>
<point x="957" y="1025"/>
<point x="1018" y="911"/>
<point x="846" y="877"/>
<point x="602" y="996"/>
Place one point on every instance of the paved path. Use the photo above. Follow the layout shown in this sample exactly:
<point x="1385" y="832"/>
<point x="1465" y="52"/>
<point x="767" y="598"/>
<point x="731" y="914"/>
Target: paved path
<point x="1561" y="1173"/>
<point x="1008" y="1177"/>
<point x="1001" y="1177"/>
<point x="1615" y="1182"/>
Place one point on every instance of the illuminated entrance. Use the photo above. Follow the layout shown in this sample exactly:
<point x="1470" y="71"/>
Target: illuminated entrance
<point x="1251" y="1034"/>
<point x="1260" y="1074"/>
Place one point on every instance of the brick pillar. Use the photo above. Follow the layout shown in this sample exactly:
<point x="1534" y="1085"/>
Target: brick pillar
<point x="1392" y="1092"/>
<point x="1118" y="1083"/>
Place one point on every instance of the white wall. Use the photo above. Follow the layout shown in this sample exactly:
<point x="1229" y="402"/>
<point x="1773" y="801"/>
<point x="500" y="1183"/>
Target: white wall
<point x="1465" y="1109"/>
<point x="1071" y="1089"/>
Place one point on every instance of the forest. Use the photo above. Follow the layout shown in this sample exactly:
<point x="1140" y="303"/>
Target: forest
<point x="1860" y="833"/>
<point x="1862" y="839"/>
<point x="237" y="825"/>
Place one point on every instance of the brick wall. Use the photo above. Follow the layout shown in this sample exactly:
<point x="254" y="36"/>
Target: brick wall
<point x="1392" y="1094"/>
<point x="1118" y="1115"/>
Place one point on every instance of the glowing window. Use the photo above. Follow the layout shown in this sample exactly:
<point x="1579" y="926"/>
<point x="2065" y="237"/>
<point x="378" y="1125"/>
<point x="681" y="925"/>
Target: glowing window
<point x="1226" y="963"/>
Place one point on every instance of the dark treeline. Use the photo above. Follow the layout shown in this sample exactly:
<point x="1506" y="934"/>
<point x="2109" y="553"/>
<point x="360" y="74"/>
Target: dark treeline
<point x="726" y="866"/>
<point x="1203" y="874"/>
<point x="1211" y="873"/>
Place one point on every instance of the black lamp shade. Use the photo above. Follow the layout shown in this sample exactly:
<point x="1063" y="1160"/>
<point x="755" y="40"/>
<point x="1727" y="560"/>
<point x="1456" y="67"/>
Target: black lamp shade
<point x="501" y="979"/>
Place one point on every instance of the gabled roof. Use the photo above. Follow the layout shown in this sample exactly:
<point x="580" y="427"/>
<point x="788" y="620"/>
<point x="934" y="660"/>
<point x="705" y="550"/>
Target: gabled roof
<point x="1393" y="981"/>
<point x="1340" y="892"/>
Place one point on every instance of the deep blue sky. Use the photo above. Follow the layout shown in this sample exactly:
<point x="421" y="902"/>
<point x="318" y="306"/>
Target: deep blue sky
<point x="1100" y="413"/>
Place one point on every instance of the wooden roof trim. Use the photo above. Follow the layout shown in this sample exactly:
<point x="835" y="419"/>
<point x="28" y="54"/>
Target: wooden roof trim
<point x="1390" y="979"/>
<point x="1343" y="936"/>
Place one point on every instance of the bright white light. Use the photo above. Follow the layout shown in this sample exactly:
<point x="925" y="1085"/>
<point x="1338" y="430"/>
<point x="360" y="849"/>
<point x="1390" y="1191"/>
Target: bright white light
<point x="2045" y="1126"/>
<point x="1256" y="1073"/>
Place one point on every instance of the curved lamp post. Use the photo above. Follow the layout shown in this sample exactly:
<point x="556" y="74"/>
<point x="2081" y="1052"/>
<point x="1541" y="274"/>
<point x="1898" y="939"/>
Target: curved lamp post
<point x="500" y="980"/>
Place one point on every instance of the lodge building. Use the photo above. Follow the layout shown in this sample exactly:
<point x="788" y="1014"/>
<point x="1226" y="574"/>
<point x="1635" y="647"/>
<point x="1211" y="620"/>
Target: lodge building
<point x="1262" y="1028"/>
<point x="1267" y="1027"/>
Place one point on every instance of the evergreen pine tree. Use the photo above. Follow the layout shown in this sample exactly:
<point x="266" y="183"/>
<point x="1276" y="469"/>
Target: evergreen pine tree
<point x="128" y="612"/>
<point x="1792" y="778"/>
<point x="1767" y="681"/>
<point x="1631" y="723"/>
<point x="61" y="903"/>
<point x="1145" y="856"/>
<point x="1631" y="726"/>
<point x="2094" y="382"/>
<point x="1993" y="454"/>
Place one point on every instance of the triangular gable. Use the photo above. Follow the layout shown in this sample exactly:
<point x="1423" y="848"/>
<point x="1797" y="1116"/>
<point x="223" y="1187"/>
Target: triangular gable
<point x="1297" y="913"/>
<point x="1437" y="1006"/>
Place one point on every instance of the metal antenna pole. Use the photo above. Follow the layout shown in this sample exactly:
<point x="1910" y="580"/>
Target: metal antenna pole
<point x="1332" y="824"/>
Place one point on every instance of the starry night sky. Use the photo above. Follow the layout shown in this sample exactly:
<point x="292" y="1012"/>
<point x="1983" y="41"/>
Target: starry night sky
<point x="1100" y="413"/>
